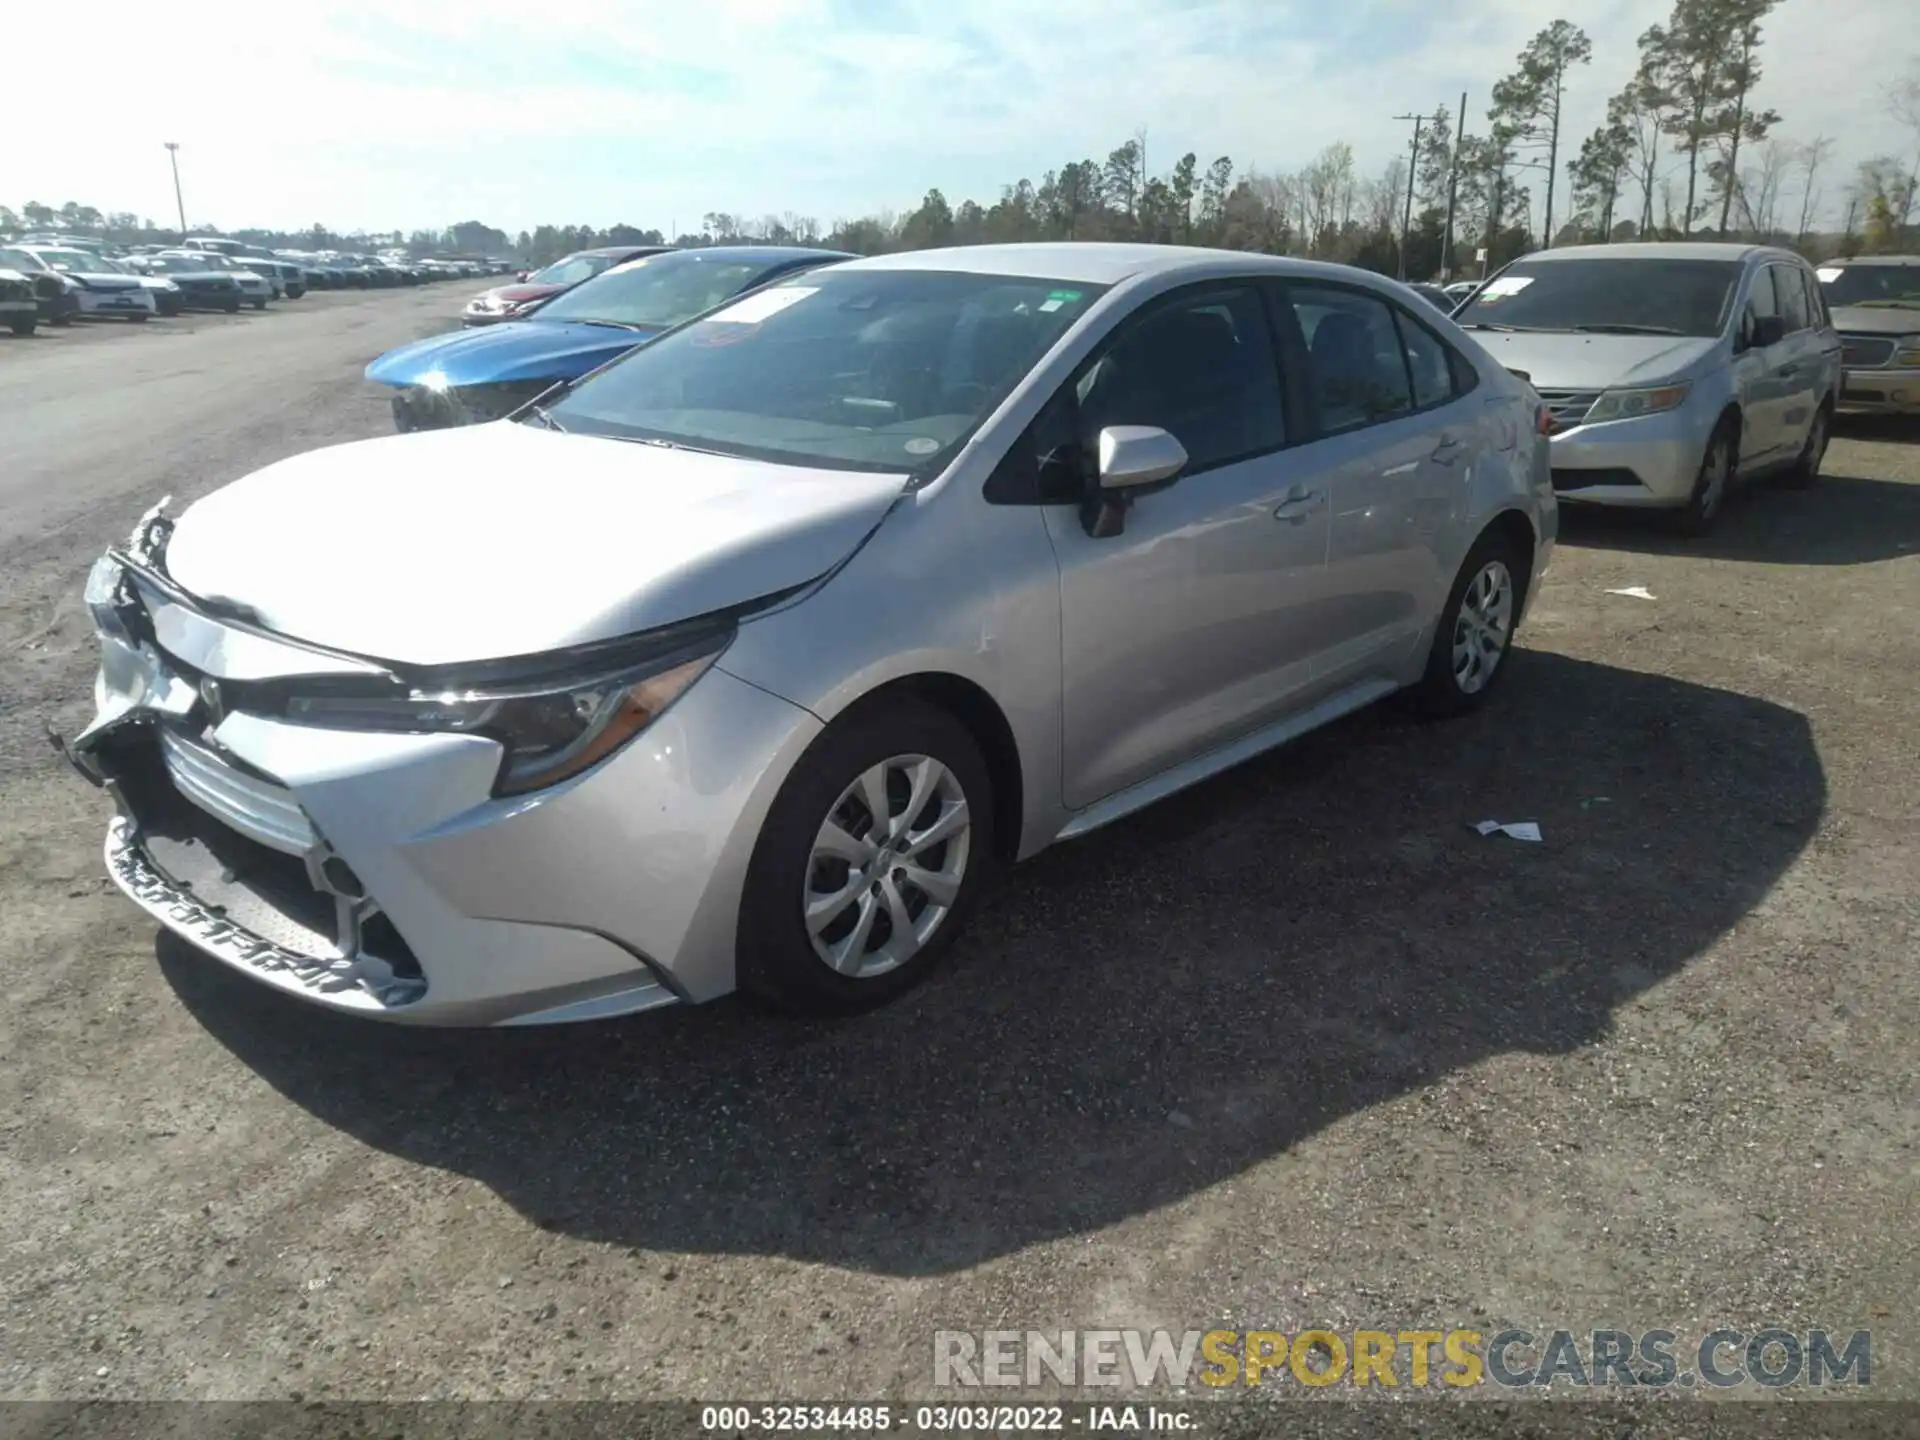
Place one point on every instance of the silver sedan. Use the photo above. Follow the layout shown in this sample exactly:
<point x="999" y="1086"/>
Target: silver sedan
<point x="743" y="662"/>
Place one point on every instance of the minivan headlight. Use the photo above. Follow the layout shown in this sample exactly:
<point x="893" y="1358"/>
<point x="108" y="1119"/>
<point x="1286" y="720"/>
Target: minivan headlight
<point x="549" y="732"/>
<point x="1907" y="352"/>
<point x="1631" y="404"/>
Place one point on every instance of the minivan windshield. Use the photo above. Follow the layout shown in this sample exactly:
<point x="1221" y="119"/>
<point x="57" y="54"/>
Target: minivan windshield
<point x="1894" y="286"/>
<point x="1603" y="295"/>
<point x="880" y="370"/>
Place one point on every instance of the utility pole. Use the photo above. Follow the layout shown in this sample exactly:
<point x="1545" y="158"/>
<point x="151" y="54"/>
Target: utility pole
<point x="1453" y="186"/>
<point x="1406" y="223"/>
<point x="173" y="155"/>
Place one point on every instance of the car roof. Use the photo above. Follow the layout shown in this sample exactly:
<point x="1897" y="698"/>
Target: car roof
<point x="762" y="254"/>
<point x="1658" y="250"/>
<point x="1103" y="262"/>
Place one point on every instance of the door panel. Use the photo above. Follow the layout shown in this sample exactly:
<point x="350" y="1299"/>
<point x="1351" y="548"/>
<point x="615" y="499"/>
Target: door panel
<point x="1766" y="383"/>
<point x="1192" y="626"/>
<point x="1195" y="625"/>
<point x="1804" y="348"/>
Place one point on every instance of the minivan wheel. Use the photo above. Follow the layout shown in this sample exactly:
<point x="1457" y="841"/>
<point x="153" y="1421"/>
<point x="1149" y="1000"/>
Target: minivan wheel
<point x="1710" y="486"/>
<point x="1806" y="469"/>
<point x="1476" y="626"/>
<point x="868" y="861"/>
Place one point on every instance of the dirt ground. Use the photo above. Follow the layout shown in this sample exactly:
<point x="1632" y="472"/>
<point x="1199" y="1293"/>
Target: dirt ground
<point x="1298" y="1047"/>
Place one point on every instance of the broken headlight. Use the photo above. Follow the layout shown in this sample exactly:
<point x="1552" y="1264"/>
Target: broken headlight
<point x="550" y="730"/>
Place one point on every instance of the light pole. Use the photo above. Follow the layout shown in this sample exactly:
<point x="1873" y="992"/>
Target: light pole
<point x="1406" y="223"/>
<point x="173" y="155"/>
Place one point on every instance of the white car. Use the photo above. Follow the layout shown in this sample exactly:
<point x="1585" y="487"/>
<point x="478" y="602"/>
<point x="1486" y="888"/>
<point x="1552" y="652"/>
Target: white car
<point x="100" y="288"/>
<point x="255" y="288"/>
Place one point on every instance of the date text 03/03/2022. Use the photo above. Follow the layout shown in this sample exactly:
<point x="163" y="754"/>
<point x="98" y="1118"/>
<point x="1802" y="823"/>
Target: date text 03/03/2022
<point x="939" y="1419"/>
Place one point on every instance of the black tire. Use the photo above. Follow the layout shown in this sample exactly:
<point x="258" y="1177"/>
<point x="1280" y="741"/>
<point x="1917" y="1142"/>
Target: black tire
<point x="232" y="307"/>
<point x="778" y="964"/>
<point x="22" y="325"/>
<point x="169" y="311"/>
<point x="1453" y="685"/>
<point x="1702" y="510"/>
<point x="260" y="303"/>
<point x="137" y="319"/>
<point x="62" y="317"/>
<point x="1806" y="467"/>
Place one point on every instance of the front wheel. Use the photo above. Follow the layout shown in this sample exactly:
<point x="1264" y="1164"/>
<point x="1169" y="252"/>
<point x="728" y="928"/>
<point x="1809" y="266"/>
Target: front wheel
<point x="1698" y="516"/>
<point x="232" y="307"/>
<point x="23" y="324"/>
<point x="1806" y="468"/>
<point x="1476" y="628"/>
<point x="260" y="304"/>
<point x="868" y="861"/>
<point x="139" y="318"/>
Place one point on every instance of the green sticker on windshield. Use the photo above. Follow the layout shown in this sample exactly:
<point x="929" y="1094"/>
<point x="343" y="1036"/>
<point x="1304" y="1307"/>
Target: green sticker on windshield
<point x="1065" y="297"/>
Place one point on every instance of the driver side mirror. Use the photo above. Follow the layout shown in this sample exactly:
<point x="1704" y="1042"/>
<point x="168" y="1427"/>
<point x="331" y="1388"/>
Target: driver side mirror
<point x="1132" y="459"/>
<point x="521" y="274"/>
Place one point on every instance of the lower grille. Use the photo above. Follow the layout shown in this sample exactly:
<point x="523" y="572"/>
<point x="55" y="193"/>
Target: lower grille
<point x="1588" y="479"/>
<point x="1865" y="352"/>
<point x="257" y="808"/>
<point x="1569" y="407"/>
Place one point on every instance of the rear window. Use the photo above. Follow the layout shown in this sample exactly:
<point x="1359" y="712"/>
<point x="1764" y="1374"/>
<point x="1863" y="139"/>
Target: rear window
<point x="1607" y="296"/>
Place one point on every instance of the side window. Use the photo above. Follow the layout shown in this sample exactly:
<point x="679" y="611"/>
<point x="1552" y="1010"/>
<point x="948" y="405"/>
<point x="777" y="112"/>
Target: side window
<point x="1429" y="361"/>
<point x="1762" y="301"/>
<point x="1200" y="368"/>
<point x="1790" y="289"/>
<point x="1359" y="372"/>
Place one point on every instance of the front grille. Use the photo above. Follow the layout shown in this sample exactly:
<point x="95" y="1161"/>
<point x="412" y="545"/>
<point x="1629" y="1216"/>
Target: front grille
<point x="1569" y="407"/>
<point x="1866" y="352"/>
<point x="257" y="808"/>
<point x="261" y="888"/>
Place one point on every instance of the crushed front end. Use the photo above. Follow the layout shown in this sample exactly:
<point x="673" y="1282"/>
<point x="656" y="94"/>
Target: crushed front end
<point x="306" y="857"/>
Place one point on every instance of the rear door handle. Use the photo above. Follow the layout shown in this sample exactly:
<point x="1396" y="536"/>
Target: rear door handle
<point x="1448" y="450"/>
<point x="1299" y="504"/>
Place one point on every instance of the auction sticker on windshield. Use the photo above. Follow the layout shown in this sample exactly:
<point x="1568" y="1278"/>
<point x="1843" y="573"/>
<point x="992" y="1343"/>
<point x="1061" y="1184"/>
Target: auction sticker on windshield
<point x="1502" y="285"/>
<point x="752" y="309"/>
<point x="1827" y="274"/>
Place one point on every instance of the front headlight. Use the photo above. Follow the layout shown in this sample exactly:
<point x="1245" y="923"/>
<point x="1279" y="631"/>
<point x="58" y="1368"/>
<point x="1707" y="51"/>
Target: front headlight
<point x="104" y="597"/>
<point x="549" y="731"/>
<point x="1631" y="404"/>
<point x="1907" y="352"/>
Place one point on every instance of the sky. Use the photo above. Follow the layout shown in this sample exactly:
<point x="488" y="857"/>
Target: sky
<point x="414" y="114"/>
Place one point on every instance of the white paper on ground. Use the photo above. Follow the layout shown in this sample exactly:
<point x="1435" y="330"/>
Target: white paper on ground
<point x="1517" y="829"/>
<point x="1638" y="592"/>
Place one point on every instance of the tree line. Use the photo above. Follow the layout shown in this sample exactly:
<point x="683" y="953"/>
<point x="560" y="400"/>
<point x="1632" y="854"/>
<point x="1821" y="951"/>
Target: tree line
<point x="1686" y="150"/>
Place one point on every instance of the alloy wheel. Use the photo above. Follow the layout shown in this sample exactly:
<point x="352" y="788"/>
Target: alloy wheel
<point x="1482" y="627"/>
<point x="887" y="866"/>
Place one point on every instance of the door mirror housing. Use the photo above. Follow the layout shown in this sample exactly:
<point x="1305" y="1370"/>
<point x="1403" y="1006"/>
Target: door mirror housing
<point x="1768" y="330"/>
<point x="1131" y="459"/>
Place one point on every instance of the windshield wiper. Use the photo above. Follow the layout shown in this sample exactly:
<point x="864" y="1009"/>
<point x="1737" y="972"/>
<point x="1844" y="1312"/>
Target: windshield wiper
<point x="1625" y="329"/>
<point x="659" y="444"/>
<point x="545" y="417"/>
<point x="1496" y="325"/>
<point x="612" y="324"/>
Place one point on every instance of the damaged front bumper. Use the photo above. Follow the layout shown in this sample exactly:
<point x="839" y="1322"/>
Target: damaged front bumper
<point x="311" y="860"/>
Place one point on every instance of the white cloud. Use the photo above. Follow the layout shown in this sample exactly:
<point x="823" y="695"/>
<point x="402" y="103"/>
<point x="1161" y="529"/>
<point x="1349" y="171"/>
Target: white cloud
<point x="396" y="115"/>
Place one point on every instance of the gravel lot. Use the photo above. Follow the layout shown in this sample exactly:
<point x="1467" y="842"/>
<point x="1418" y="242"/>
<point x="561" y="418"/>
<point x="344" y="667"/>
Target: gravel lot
<point x="1295" y="1047"/>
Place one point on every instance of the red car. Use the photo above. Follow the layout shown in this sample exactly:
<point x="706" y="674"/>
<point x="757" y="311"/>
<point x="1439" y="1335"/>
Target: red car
<point x="510" y="302"/>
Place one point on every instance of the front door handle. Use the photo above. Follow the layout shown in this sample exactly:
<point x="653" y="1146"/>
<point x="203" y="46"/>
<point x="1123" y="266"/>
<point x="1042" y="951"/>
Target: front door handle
<point x="1299" y="504"/>
<point x="1448" y="450"/>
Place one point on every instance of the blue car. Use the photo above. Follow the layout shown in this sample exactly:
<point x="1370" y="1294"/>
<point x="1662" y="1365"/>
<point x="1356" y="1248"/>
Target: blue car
<point x="475" y="375"/>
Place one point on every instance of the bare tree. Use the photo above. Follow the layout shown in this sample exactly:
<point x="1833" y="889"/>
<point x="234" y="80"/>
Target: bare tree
<point x="1810" y="157"/>
<point x="1903" y="99"/>
<point x="1759" y="188"/>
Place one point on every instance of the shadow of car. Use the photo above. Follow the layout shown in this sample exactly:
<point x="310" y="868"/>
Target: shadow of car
<point x="1841" y="520"/>
<point x="1134" y="1017"/>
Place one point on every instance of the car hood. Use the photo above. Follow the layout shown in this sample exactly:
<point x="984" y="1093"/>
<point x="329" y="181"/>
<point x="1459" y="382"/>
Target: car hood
<point x="1876" y="320"/>
<point x="514" y="294"/>
<point x="106" y="279"/>
<point x="1593" y="362"/>
<point x="514" y="350"/>
<point x="493" y="541"/>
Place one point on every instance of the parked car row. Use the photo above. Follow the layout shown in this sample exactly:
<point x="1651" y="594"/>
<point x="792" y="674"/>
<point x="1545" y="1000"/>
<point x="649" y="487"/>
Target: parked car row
<point x="53" y="279"/>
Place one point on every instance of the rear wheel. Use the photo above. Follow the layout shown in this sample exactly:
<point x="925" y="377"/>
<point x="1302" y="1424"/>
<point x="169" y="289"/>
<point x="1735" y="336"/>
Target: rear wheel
<point x="868" y="861"/>
<point x="139" y="317"/>
<point x="22" y="324"/>
<point x="1476" y="628"/>
<point x="260" y="303"/>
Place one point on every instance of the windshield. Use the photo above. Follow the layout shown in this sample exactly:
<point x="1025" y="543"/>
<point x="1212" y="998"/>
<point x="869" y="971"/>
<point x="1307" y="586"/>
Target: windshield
<point x="571" y="271"/>
<point x="1623" y="296"/>
<point x="20" y="260"/>
<point x="181" y="265"/>
<point x="657" y="290"/>
<point x="883" y="370"/>
<point x="72" y="260"/>
<point x="1895" y="286"/>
